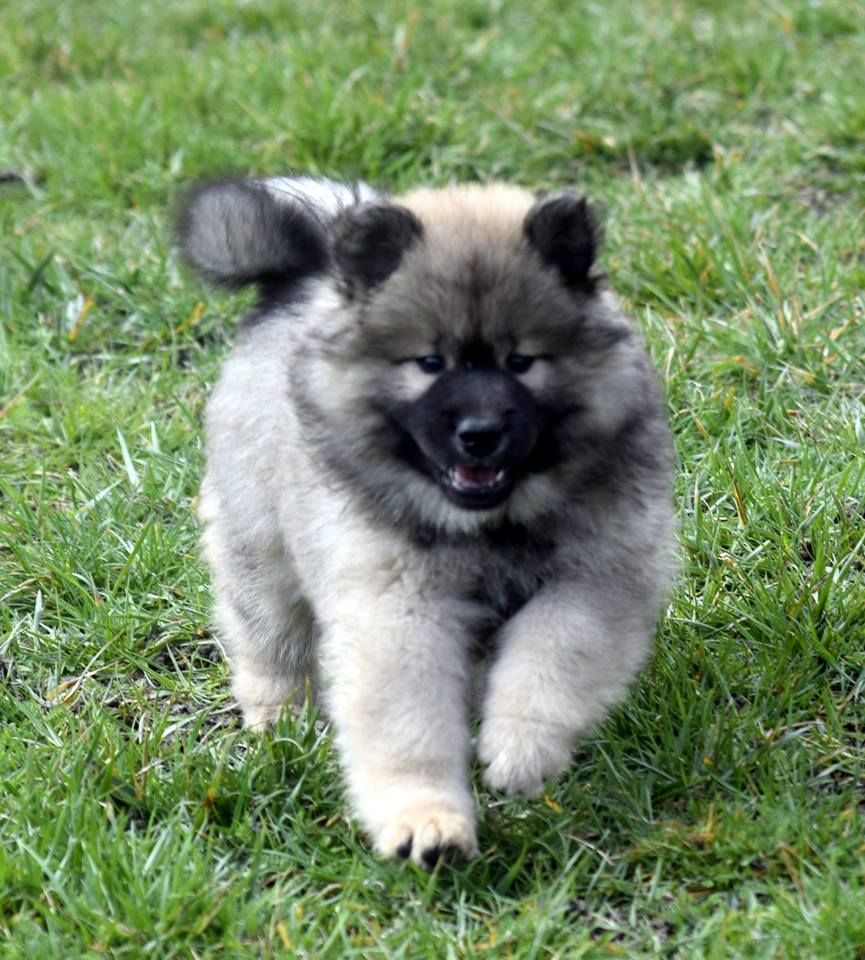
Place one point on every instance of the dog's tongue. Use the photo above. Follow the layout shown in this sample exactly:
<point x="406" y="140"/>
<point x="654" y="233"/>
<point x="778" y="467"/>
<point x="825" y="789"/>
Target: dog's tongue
<point x="476" y="476"/>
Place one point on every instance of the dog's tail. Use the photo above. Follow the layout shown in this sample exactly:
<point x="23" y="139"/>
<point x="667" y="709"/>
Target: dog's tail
<point x="273" y="230"/>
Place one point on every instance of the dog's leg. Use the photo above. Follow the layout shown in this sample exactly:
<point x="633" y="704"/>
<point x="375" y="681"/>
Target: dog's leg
<point x="271" y="661"/>
<point x="264" y="623"/>
<point x="563" y="660"/>
<point x="396" y="683"/>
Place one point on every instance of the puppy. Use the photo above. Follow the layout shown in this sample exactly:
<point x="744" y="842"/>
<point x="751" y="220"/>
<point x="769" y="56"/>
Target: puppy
<point x="438" y="476"/>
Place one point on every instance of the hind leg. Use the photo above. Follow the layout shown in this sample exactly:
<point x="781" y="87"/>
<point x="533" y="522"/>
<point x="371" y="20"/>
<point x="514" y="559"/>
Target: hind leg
<point x="272" y="664"/>
<point x="265" y="624"/>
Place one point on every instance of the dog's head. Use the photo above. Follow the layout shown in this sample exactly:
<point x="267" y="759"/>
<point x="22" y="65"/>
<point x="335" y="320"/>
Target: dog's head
<point x="456" y="355"/>
<point x="481" y="310"/>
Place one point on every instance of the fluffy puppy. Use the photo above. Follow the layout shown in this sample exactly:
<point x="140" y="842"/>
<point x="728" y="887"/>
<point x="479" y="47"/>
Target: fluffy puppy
<point x="436" y="455"/>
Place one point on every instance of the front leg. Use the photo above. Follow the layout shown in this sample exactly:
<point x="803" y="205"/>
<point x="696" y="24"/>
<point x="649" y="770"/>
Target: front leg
<point x="563" y="660"/>
<point x="396" y="684"/>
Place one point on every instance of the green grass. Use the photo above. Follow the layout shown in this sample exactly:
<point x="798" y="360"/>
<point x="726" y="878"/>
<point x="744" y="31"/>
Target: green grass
<point x="719" y="813"/>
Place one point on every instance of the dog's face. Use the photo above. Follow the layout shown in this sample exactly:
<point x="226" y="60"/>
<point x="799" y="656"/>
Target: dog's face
<point x="470" y="354"/>
<point x="450" y="357"/>
<point x="476" y="429"/>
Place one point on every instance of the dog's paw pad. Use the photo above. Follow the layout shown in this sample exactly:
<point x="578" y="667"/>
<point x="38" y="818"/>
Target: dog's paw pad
<point x="428" y="835"/>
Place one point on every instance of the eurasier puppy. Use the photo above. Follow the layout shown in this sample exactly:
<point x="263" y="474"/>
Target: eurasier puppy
<point x="438" y="474"/>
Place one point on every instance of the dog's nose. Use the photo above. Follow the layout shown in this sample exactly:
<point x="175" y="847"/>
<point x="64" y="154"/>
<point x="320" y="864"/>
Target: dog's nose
<point x="480" y="438"/>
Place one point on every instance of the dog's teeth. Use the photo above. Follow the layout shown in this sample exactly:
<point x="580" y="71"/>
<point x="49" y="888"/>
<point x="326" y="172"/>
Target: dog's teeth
<point x="475" y="478"/>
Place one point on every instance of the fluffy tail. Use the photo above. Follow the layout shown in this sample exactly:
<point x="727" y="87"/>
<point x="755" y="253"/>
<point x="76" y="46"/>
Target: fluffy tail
<point x="237" y="232"/>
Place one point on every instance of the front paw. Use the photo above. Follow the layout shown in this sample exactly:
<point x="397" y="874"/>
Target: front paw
<point x="426" y="831"/>
<point x="520" y="754"/>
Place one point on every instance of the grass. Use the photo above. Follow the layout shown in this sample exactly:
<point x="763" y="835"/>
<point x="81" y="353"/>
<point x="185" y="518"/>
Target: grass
<point x="719" y="813"/>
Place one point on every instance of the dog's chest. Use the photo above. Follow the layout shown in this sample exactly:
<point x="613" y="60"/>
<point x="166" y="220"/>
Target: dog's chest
<point x="499" y="576"/>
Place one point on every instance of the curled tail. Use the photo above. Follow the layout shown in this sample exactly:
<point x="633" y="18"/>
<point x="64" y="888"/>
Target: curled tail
<point x="268" y="231"/>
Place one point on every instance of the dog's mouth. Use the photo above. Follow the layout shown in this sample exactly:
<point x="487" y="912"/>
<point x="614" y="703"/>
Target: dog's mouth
<point x="477" y="487"/>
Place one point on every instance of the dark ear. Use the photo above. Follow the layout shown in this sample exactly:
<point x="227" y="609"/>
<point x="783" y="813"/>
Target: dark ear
<point x="370" y="240"/>
<point x="564" y="231"/>
<point x="237" y="232"/>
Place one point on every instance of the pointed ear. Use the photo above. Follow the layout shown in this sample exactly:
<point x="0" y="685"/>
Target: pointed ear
<point x="564" y="230"/>
<point x="370" y="240"/>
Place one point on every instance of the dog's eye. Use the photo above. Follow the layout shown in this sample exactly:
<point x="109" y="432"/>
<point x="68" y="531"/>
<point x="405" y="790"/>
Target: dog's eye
<point x="518" y="363"/>
<point x="434" y="363"/>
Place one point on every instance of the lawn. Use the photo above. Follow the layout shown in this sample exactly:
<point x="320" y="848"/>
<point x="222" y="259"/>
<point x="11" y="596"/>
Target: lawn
<point x="720" y="812"/>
